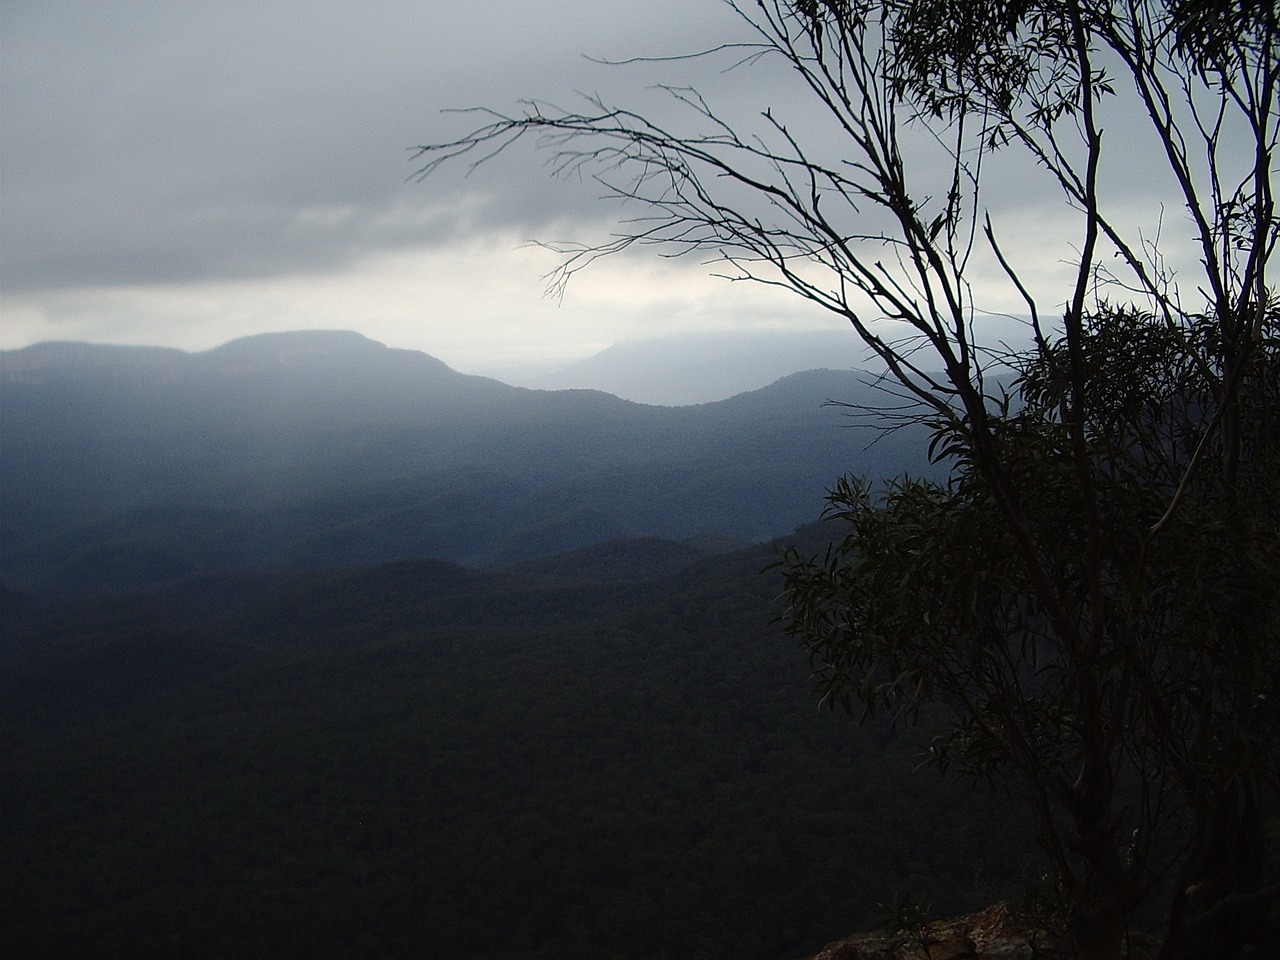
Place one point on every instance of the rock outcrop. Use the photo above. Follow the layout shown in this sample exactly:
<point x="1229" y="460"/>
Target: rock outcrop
<point x="992" y="934"/>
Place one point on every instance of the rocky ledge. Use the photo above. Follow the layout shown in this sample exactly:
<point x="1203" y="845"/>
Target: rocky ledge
<point x="992" y="934"/>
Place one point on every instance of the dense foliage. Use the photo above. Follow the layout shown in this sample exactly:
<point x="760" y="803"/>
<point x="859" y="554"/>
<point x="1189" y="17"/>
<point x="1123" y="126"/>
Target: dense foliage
<point x="927" y="598"/>
<point x="421" y="760"/>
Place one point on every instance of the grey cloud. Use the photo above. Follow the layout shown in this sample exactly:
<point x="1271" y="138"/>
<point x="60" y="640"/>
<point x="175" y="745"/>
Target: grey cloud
<point x="149" y="142"/>
<point x="152" y="142"/>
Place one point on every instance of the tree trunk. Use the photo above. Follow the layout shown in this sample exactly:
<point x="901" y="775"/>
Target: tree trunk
<point x="1227" y="911"/>
<point x="1098" y="925"/>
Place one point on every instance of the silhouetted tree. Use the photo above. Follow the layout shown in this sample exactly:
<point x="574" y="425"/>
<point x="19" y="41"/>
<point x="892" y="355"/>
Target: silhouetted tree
<point x="1093" y="590"/>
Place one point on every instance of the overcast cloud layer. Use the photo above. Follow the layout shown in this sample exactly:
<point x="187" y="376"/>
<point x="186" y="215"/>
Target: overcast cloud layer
<point x="182" y="173"/>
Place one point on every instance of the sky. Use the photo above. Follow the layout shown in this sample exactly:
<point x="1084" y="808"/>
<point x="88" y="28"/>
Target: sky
<point x="180" y="174"/>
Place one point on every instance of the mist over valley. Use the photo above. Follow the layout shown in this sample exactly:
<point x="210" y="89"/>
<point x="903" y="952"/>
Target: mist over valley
<point x="128" y="467"/>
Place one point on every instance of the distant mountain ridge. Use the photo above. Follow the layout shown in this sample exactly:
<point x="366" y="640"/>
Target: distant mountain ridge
<point x="125" y="467"/>
<point x="312" y="353"/>
<point x="705" y="367"/>
<point x="700" y="367"/>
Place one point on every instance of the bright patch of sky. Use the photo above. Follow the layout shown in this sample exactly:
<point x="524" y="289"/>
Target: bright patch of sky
<point x="180" y="173"/>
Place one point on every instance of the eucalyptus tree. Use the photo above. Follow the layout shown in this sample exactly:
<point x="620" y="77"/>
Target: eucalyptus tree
<point x="1092" y="592"/>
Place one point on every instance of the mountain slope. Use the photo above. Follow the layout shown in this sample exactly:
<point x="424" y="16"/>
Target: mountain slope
<point x="131" y="467"/>
<point x="423" y="760"/>
<point x="705" y="367"/>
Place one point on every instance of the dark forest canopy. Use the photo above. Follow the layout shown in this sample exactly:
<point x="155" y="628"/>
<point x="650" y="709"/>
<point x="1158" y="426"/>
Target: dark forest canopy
<point x="419" y="759"/>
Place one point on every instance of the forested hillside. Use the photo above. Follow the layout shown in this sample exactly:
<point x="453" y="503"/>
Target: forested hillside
<point x="251" y="704"/>
<point x="128" y="467"/>
<point x="419" y="759"/>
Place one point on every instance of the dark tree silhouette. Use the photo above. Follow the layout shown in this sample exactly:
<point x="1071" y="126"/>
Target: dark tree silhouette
<point x="1093" y="591"/>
